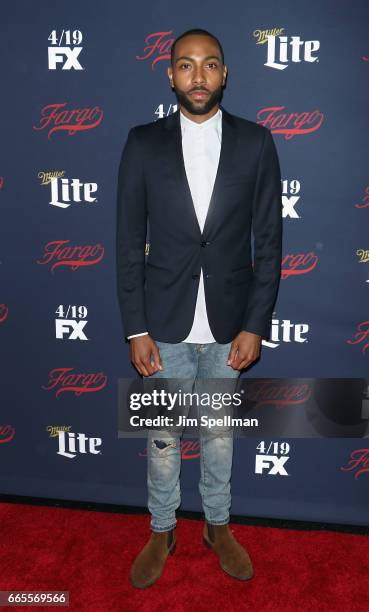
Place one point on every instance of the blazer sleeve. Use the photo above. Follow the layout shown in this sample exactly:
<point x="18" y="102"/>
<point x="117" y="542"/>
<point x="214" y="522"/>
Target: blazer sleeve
<point x="131" y="237"/>
<point x="267" y="232"/>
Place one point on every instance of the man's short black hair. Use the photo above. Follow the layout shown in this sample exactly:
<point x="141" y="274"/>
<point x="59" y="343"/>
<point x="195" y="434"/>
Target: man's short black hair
<point x="195" y="31"/>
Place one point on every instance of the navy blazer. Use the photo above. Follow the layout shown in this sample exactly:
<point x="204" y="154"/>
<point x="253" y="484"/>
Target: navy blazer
<point x="157" y="292"/>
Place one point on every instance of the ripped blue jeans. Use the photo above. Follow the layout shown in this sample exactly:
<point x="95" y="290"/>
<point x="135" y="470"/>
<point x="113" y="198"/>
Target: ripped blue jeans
<point x="190" y="361"/>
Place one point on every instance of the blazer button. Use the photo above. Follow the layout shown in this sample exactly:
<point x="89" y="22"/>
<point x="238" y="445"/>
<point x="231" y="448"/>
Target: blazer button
<point x="194" y="276"/>
<point x="204" y="243"/>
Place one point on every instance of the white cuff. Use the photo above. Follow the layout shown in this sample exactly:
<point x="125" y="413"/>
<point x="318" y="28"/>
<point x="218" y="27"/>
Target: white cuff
<point x="135" y="335"/>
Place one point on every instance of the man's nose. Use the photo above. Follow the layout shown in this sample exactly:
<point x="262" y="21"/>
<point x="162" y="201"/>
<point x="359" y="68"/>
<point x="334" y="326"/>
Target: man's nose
<point x="199" y="76"/>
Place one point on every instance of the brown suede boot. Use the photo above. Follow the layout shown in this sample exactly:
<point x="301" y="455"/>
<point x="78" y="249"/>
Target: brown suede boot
<point x="149" y="563"/>
<point x="233" y="558"/>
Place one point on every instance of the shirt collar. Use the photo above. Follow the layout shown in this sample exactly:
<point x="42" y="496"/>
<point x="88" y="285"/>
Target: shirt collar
<point x="212" y="122"/>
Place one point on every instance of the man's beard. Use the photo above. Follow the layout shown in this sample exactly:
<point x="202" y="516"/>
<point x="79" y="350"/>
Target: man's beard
<point x="198" y="108"/>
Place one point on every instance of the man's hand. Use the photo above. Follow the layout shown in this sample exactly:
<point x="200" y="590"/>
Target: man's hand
<point x="145" y="355"/>
<point x="245" y="348"/>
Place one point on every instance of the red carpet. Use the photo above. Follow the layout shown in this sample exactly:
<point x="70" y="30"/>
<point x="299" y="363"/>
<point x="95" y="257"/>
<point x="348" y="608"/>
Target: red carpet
<point x="90" y="553"/>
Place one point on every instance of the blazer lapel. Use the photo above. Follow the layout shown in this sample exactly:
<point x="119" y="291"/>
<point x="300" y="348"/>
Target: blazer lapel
<point x="175" y="161"/>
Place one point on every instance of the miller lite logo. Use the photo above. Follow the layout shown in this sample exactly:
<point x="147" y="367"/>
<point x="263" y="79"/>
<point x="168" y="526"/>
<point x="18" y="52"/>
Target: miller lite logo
<point x="64" y="191"/>
<point x="71" y="445"/>
<point x="286" y="331"/>
<point x="281" y="50"/>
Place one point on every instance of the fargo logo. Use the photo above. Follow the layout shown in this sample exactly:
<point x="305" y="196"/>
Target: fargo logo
<point x="267" y="392"/>
<point x="7" y="433"/>
<point x="158" y="45"/>
<point x="66" y="380"/>
<point x="274" y="466"/>
<point x="358" y="463"/>
<point x="365" y="200"/>
<point x="71" y="445"/>
<point x="55" y="118"/>
<point x="279" y="121"/>
<point x="64" y="191"/>
<point x="4" y="311"/>
<point x="60" y="253"/>
<point x="361" y="336"/>
<point x="281" y="50"/>
<point x="66" y="56"/>
<point x="286" y="331"/>
<point x="295" y="264"/>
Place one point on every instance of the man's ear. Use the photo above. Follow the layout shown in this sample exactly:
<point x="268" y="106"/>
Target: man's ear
<point x="225" y="73"/>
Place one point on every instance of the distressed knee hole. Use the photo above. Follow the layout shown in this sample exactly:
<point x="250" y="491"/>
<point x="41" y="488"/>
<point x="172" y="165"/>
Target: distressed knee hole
<point x="161" y="445"/>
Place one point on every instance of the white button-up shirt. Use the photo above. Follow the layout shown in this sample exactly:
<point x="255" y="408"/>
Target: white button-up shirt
<point x="201" y="143"/>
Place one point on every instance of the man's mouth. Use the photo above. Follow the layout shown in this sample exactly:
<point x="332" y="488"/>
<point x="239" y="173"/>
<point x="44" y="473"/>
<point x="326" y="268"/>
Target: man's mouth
<point x="199" y="95"/>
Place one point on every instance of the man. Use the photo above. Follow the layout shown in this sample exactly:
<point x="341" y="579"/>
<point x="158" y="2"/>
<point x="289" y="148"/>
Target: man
<point x="197" y="308"/>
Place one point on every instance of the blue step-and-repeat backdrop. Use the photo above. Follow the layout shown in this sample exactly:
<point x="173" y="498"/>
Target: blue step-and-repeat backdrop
<point x="76" y="76"/>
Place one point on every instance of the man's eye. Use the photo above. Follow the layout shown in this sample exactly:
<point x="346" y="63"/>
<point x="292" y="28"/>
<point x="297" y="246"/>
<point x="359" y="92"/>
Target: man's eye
<point x="212" y="64"/>
<point x="182" y="65"/>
